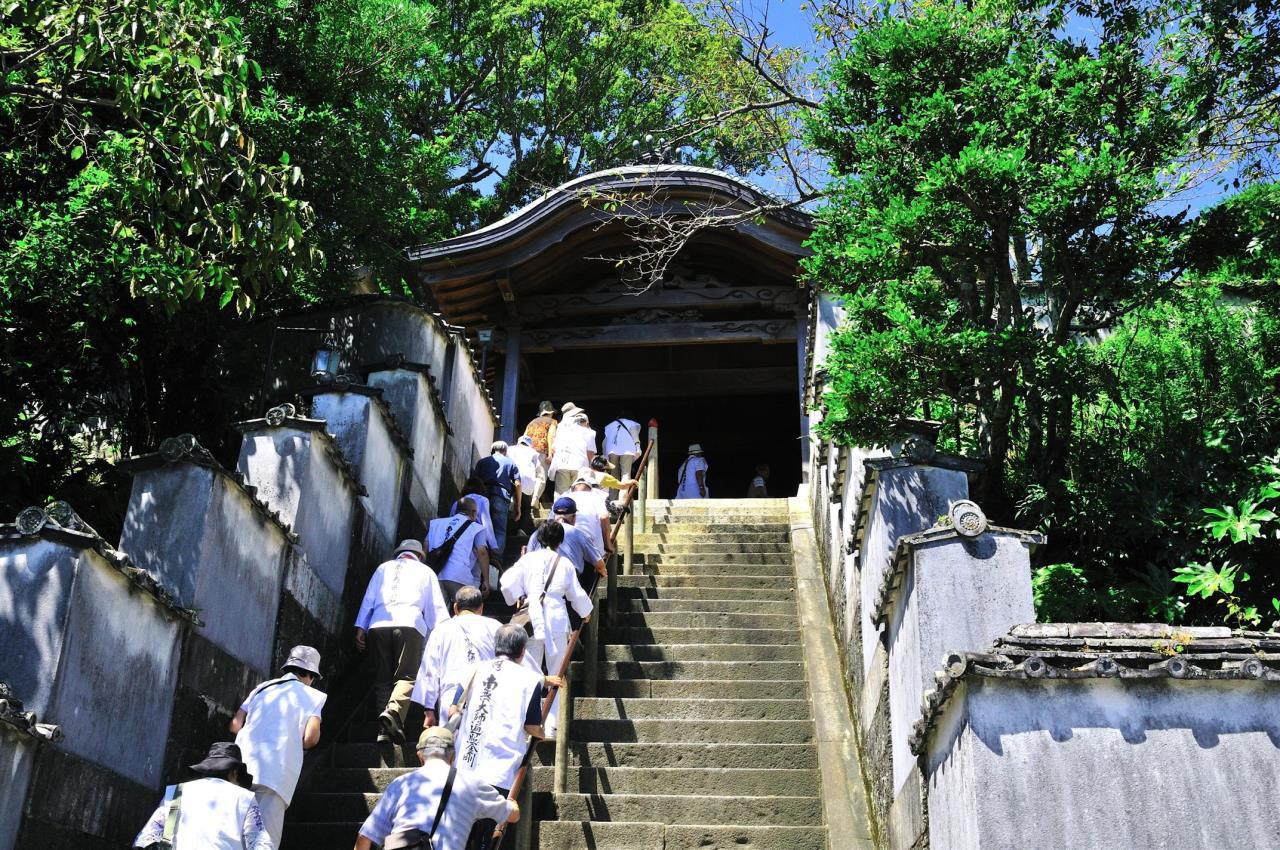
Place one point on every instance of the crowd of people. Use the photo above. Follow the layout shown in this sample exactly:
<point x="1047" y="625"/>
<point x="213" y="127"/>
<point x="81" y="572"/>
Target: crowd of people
<point x="481" y="684"/>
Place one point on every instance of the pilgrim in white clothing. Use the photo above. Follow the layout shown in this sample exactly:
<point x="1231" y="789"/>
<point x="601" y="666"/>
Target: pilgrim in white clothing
<point x="549" y="613"/>
<point x="622" y="443"/>
<point x="413" y="801"/>
<point x="516" y="585"/>
<point x="688" y="485"/>
<point x="401" y="606"/>
<point x="504" y="699"/>
<point x="272" y="731"/>
<point x="574" y="447"/>
<point x="593" y="515"/>
<point x="453" y="650"/>
<point x="211" y="812"/>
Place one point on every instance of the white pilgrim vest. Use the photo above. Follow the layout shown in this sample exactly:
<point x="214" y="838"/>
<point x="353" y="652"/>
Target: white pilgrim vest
<point x="455" y="646"/>
<point x="211" y="815"/>
<point x="491" y="739"/>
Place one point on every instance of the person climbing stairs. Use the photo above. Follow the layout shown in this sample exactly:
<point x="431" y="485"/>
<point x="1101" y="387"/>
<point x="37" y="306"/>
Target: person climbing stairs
<point x="701" y="733"/>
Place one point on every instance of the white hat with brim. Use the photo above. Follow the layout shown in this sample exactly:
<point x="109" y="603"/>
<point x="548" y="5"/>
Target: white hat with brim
<point x="695" y="448"/>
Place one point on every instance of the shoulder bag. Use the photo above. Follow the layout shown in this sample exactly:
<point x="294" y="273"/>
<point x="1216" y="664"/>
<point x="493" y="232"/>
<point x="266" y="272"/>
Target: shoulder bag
<point x="416" y="839"/>
<point x="439" y="556"/>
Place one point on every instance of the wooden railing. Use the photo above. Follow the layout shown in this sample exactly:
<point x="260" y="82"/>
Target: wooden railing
<point x="591" y="660"/>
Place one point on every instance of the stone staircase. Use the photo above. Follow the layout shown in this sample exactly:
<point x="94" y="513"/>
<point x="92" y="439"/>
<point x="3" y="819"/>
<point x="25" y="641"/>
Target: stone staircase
<point x="701" y="733"/>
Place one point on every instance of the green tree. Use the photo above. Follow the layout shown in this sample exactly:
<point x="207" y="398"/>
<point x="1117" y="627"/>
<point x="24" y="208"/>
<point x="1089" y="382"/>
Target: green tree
<point x="128" y="188"/>
<point x="998" y="201"/>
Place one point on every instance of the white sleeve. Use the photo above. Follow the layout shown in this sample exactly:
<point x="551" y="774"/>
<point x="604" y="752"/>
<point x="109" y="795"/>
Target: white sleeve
<point x="426" y="687"/>
<point x="490" y="804"/>
<point x="512" y="582"/>
<point x="370" y="601"/>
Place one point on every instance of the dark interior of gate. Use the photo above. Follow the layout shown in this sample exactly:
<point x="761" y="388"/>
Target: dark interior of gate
<point x="711" y="348"/>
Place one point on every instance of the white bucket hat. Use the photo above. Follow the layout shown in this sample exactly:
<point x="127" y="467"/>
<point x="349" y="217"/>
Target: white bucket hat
<point x="695" y="448"/>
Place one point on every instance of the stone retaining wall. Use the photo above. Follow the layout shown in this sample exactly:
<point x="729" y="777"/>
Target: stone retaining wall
<point x="140" y="655"/>
<point x="978" y="728"/>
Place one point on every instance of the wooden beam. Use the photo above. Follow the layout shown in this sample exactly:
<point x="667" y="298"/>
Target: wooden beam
<point x="675" y="333"/>
<point x="669" y="384"/>
<point x="691" y="296"/>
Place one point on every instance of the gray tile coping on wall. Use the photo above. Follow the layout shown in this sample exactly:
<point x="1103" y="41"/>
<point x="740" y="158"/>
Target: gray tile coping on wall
<point x="1106" y="650"/>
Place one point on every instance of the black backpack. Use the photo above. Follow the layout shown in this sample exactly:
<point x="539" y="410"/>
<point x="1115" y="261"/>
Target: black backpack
<point x="439" y="556"/>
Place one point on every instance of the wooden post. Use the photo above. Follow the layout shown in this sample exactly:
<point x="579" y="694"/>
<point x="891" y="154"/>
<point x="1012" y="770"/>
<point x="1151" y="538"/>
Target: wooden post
<point x="628" y="545"/>
<point x="510" y="384"/>
<point x="802" y="356"/>
<point x="561" y="770"/>
<point x="653" y="459"/>
<point x="642" y="492"/>
<point x="591" y="640"/>
<point x="524" y="826"/>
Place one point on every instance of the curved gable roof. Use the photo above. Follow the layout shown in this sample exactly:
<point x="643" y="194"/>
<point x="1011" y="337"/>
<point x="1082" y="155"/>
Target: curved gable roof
<point x="670" y="180"/>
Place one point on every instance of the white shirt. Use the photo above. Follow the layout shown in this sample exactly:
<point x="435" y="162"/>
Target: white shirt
<point x="622" y="437"/>
<point x="549" y="614"/>
<point x="461" y="566"/>
<point x="591" y="509"/>
<point x="573" y="442"/>
<point x="455" y="646"/>
<point x="527" y="462"/>
<point x="412" y="800"/>
<point x="687" y="478"/>
<point x="213" y="814"/>
<point x="403" y="592"/>
<point x="483" y="518"/>
<point x="491" y="740"/>
<point x="271" y="739"/>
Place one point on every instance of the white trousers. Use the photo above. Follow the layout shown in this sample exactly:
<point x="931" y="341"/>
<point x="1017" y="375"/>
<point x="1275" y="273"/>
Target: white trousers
<point x="272" y="806"/>
<point x="623" y="471"/>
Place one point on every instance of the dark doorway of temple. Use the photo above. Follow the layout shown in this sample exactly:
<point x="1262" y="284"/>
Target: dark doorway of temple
<point x="740" y="401"/>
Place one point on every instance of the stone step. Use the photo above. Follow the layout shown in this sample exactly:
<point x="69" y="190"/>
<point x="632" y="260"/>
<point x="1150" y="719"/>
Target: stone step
<point x="792" y="756"/>
<point x="777" y="671"/>
<point x="703" y="652"/>
<point x="615" y="835"/>
<point x="707" y="581"/>
<point x="673" y="614"/>
<point x="599" y="708"/>
<point x="698" y="559"/>
<point x="691" y="810"/>
<point x="668" y="731"/>
<point x="702" y="525"/>
<point x="638" y="635"/>
<point x="702" y="689"/>
<point x="747" y="782"/>
<point x="680" y="569"/>
<point x="697" y="601"/>
<point x="764" y="594"/>
<point x="776" y="504"/>
<point x="701" y="545"/>
<point x="723" y="521"/>
<point x="678" y="534"/>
